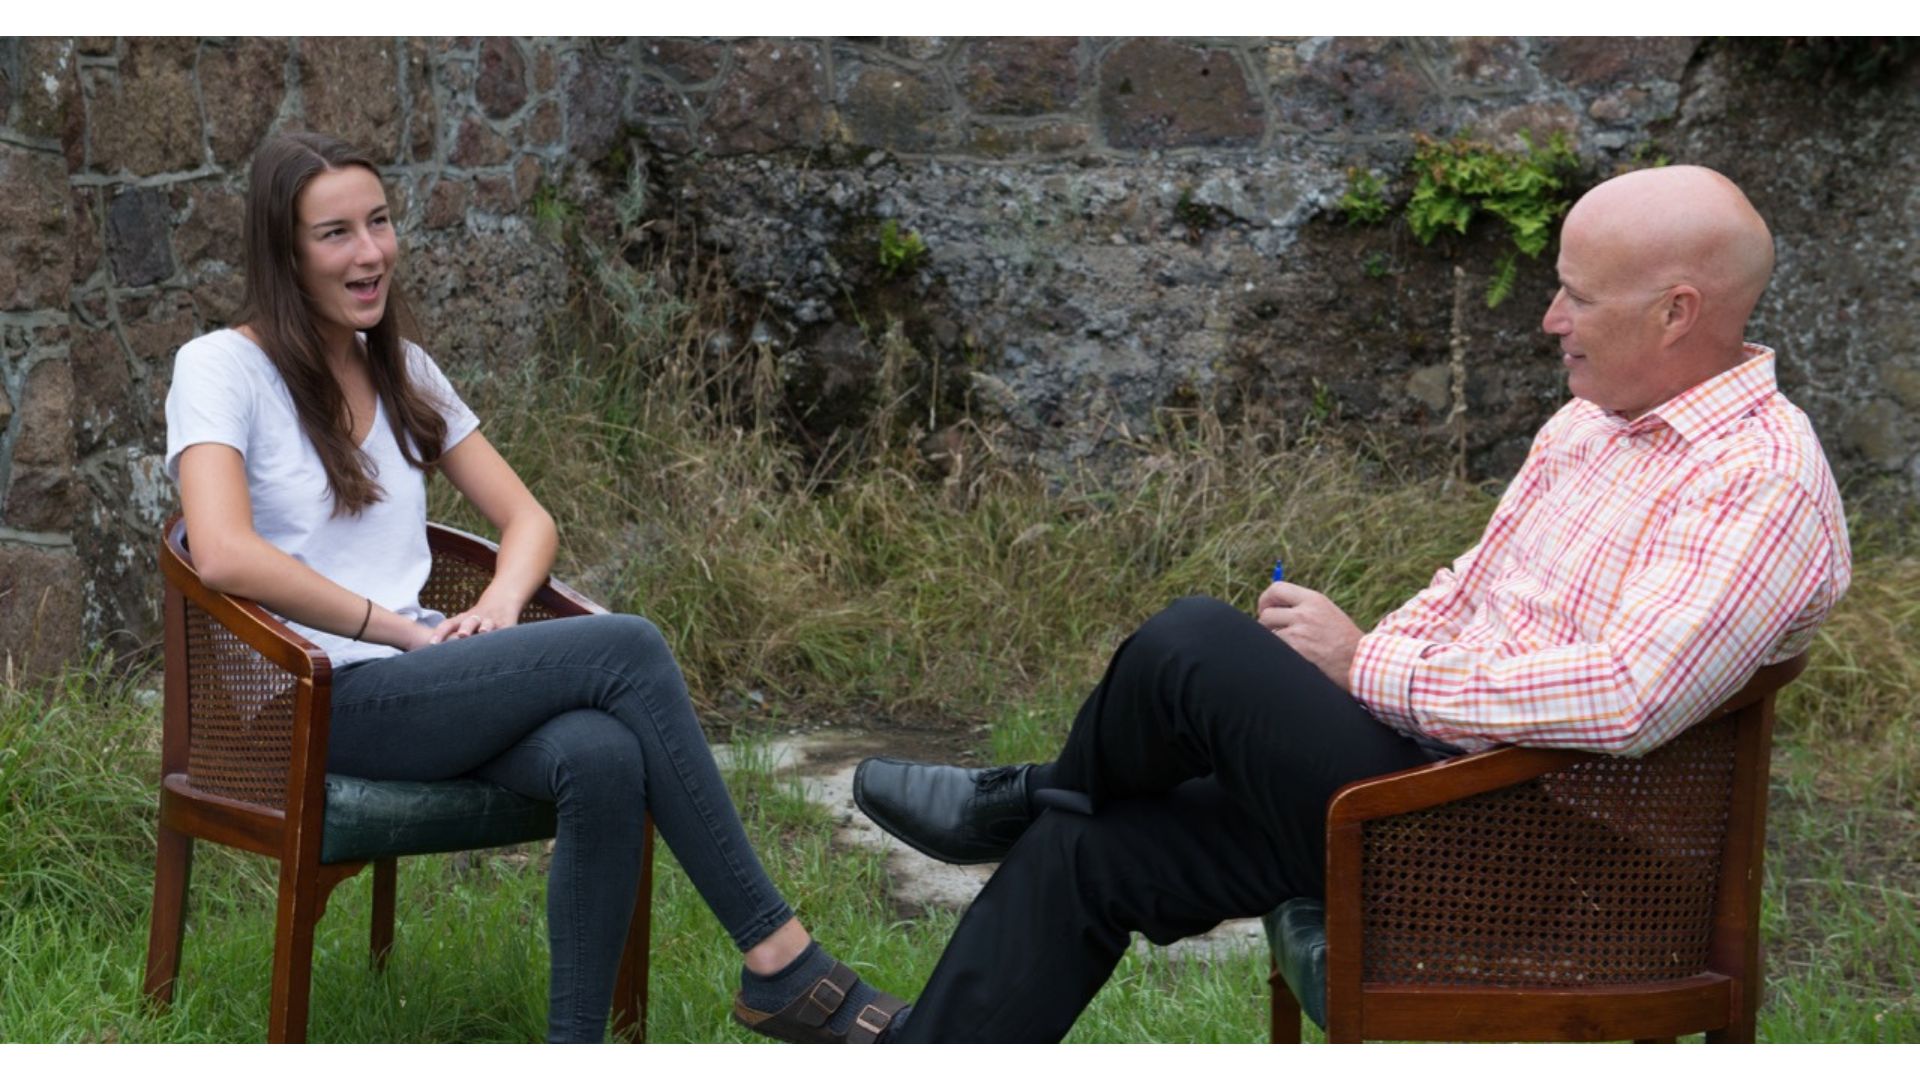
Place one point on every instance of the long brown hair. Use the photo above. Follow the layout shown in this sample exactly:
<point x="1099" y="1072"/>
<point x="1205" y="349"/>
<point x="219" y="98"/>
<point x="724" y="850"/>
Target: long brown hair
<point x="281" y="316"/>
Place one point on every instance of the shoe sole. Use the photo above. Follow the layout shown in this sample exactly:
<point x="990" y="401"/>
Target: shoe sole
<point x="860" y="801"/>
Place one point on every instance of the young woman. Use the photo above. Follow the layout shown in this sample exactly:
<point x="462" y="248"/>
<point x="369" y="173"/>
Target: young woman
<point x="301" y="440"/>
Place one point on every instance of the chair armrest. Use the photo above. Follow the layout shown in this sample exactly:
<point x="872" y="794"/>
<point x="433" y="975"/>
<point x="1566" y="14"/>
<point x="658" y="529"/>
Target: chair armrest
<point x="554" y="596"/>
<point x="277" y="643"/>
<point x="1427" y="786"/>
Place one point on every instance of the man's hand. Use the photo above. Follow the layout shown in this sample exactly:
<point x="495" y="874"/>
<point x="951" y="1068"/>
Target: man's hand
<point x="1313" y="626"/>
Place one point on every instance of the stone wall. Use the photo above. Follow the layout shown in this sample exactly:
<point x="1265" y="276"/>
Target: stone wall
<point x="1112" y="226"/>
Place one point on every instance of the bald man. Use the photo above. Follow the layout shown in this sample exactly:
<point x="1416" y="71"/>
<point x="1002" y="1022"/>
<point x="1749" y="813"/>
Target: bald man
<point x="1674" y="528"/>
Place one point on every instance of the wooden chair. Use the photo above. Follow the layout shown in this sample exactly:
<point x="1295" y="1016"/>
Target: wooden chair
<point x="243" y="763"/>
<point x="1523" y="895"/>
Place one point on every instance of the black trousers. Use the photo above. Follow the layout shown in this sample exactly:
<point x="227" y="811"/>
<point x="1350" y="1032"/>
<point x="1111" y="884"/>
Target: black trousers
<point x="1209" y="751"/>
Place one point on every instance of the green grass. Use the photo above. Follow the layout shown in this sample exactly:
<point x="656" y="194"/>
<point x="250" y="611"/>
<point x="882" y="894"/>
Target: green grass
<point x="864" y="581"/>
<point x="1841" y="922"/>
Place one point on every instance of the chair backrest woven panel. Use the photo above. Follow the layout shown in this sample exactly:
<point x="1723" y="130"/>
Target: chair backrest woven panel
<point x="1603" y="872"/>
<point x="239" y="716"/>
<point x="455" y="583"/>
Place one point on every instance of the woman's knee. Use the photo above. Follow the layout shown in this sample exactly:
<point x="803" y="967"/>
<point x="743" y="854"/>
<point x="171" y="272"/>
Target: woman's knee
<point x="634" y="635"/>
<point x="596" y="758"/>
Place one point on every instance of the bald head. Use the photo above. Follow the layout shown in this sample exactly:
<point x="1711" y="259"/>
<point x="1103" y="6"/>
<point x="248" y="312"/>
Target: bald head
<point x="1659" y="271"/>
<point x="1683" y="225"/>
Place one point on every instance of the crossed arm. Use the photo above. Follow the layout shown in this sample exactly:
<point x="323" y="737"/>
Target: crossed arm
<point x="1732" y="576"/>
<point x="233" y="558"/>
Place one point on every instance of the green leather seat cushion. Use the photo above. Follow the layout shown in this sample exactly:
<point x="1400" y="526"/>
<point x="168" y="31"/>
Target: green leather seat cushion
<point x="374" y="819"/>
<point x="1297" y="934"/>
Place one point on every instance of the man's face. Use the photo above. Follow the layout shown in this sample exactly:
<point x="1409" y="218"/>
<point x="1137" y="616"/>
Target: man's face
<point x="1607" y="318"/>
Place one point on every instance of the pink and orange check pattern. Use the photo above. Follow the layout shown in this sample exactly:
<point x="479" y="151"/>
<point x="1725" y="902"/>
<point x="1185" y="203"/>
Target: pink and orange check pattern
<point x="1634" y="575"/>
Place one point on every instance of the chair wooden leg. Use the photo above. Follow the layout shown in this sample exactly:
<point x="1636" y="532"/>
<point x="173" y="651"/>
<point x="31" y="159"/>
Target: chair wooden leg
<point x="383" y="885"/>
<point x="301" y="901"/>
<point x="1738" y="1032"/>
<point x="1283" y="1025"/>
<point x="173" y="865"/>
<point x="630" y="989"/>
<point x="1746" y="1015"/>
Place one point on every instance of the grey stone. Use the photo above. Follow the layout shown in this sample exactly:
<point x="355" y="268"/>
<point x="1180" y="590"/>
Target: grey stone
<point x="40" y="491"/>
<point x="446" y="204"/>
<point x="137" y="237"/>
<point x="1489" y="63"/>
<point x="1432" y="387"/>
<point x="142" y="119"/>
<point x="423" y="110"/>
<point x="217" y="297"/>
<point x="686" y="61"/>
<point x="211" y="216"/>
<point x="1156" y="94"/>
<point x="1902" y="380"/>
<point x="893" y="110"/>
<point x="478" y="146"/>
<point x="105" y="412"/>
<point x="126" y="498"/>
<point x="542" y="129"/>
<point x="917" y="48"/>
<point x="350" y="89"/>
<point x="595" y="93"/>
<point x="1358" y="86"/>
<point x="1584" y="62"/>
<point x="86" y="245"/>
<point x="1879" y="433"/>
<point x="154" y="327"/>
<point x="772" y="100"/>
<point x="49" y="91"/>
<point x="501" y="83"/>
<point x="40" y="624"/>
<point x="242" y="82"/>
<point x="35" y="227"/>
<point x="1021" y="76"/>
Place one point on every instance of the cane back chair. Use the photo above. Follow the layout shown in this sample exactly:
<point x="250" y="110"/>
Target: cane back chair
<point x="243" y="763"/>
<point x="1522" y="895"/>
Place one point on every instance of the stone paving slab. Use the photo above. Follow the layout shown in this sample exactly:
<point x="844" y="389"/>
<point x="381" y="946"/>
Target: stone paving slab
<point x="823" y="763"/>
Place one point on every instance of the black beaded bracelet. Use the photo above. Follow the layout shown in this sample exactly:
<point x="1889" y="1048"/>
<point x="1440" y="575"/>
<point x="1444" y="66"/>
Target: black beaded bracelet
<point x="366" y="619"/>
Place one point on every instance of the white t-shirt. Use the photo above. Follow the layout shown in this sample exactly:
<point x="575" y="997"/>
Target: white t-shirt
<point x="225" y="390"/>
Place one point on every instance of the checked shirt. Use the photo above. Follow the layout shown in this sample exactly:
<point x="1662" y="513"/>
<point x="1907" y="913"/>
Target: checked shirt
<point x="1635" y="574"/>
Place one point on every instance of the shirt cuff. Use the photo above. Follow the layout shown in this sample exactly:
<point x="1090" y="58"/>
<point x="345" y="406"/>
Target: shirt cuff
<point x="1382" y="677"/>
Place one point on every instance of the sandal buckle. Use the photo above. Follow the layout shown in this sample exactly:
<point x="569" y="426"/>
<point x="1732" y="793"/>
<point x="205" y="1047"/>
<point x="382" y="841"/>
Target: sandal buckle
<point x="826" y="996"/>
<point x="876" y="1028"/>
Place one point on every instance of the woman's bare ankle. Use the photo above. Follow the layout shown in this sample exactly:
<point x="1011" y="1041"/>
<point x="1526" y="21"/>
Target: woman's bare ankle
<point x="778" y="949"/>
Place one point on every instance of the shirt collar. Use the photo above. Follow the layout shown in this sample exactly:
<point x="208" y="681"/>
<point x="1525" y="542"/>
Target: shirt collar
<point x="1699" y="410"/>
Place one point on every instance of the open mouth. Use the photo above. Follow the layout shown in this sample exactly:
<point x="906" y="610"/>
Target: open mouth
<point x="365" y="288"/>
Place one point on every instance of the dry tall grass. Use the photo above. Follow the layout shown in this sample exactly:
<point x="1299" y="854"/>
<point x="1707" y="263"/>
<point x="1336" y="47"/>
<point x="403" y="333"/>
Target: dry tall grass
<point x="864" y="580"/>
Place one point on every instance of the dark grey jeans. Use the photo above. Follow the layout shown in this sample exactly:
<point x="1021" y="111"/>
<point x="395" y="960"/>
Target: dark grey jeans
<point x="591" y="714"/>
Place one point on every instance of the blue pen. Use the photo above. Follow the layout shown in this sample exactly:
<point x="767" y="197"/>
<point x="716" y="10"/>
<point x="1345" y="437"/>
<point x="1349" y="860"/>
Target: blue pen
<point x="1279" y="571"/>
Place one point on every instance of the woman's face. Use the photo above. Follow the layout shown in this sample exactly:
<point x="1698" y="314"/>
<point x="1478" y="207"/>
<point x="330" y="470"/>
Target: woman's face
<point x="345" y="248"/>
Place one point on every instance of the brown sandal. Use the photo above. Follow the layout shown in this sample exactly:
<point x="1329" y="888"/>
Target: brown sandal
<point x="804" y="1019"/>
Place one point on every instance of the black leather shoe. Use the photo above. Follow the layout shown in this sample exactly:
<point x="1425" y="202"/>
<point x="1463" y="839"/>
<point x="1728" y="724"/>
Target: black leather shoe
<point x="946" y="812"/>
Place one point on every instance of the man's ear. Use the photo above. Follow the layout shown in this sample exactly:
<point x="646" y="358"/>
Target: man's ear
<point x="1679" y="311"/>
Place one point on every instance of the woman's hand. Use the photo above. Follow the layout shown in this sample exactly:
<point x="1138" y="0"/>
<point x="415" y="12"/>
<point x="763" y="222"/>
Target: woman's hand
<point x="483" y="617"/>
<point x="419" y="637"/>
